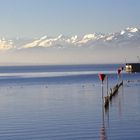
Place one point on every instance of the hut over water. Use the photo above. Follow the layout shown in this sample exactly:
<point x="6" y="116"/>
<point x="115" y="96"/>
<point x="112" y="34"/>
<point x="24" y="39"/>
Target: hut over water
<point x="132" y="67"/>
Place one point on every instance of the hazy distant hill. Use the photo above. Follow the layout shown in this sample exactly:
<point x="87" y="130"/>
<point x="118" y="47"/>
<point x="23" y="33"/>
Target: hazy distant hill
<point x="127" y="37"/>
<point x="91" y="48"/>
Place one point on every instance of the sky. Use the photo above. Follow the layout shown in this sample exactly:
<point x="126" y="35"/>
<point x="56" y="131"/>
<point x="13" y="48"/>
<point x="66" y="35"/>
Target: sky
<point x="36" y="18"/>
<point x="23" y="21"/>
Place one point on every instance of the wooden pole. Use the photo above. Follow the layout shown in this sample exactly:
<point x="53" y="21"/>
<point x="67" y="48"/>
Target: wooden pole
<point x="102" y="92"/>
<point x="107" y="85"/>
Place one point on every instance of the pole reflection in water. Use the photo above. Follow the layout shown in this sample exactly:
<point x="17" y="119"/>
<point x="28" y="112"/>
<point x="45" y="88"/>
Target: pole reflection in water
<point x="105" y="113"/>
<point x="103" y="133"/>
<point x="102" y="130"/>
<point x="103" y="127"/>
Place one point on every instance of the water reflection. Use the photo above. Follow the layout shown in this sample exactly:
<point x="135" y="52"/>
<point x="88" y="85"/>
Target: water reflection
<point x="118" y="102"/>
<point x="121" y="101"/>
<point x="103" y="133"/>
<point x="105" y="113"/>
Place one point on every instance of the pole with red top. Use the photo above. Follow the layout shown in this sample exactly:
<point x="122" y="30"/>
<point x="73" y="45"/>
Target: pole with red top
<point x="101" y="78"/>
<point x="119" y="74"/>
<point x="102" y="133"/>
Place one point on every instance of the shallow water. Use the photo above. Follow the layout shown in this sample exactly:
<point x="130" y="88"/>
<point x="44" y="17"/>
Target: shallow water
<point x="68" y="108"/>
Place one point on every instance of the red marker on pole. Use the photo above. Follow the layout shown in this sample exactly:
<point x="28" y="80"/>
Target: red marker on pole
<point x="119" y="71"/>
<point x="119" y="74"/>
<point x="101" y="77"/>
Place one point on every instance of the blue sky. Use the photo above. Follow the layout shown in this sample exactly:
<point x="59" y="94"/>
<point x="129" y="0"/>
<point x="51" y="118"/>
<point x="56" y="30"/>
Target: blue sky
<point x="35" y="18"/>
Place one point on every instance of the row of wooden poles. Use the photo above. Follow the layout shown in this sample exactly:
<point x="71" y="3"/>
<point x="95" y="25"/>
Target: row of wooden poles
<point x="107" y="99"/>
<point x="113" y="91"/>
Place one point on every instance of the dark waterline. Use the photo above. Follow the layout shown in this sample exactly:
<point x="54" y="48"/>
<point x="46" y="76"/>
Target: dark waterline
<point x="58" y="68"/>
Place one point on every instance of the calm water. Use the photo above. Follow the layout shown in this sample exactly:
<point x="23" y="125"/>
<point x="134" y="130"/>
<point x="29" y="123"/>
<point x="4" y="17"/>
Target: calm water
<point x="64" y="103"/>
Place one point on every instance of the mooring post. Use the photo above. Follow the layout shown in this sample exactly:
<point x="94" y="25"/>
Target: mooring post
<point x="107" y="85"/>
<point x="102" y="94"/>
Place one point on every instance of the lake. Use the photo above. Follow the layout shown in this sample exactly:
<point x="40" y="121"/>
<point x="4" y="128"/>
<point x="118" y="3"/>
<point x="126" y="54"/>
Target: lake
<point x="64" y="103"/>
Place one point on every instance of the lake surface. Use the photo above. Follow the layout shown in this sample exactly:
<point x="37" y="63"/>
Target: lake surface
<point x="64" y="103"/>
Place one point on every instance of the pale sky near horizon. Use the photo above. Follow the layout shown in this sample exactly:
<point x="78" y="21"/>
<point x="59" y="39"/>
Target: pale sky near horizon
<point x="35" y="18"/>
